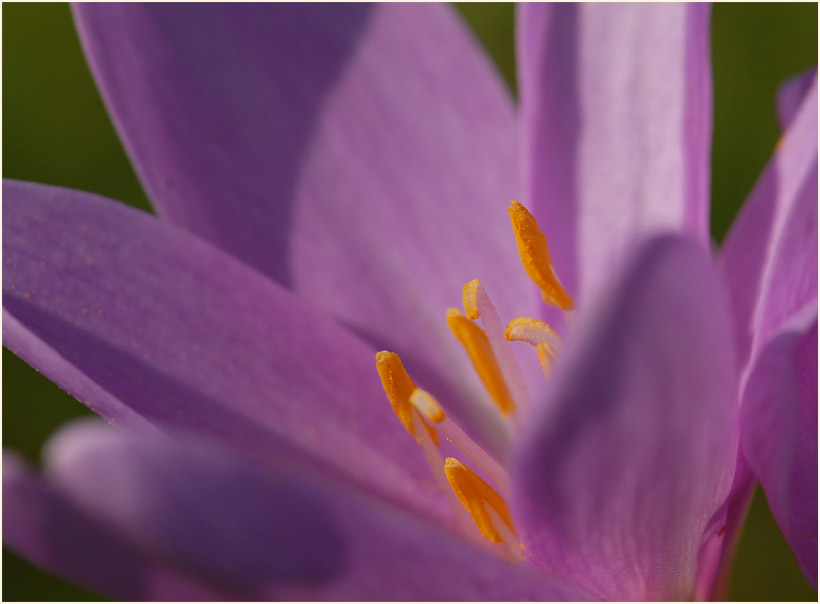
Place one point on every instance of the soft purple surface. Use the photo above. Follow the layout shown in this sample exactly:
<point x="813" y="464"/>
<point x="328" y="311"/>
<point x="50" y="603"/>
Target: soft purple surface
<point x="790" y="96"/>
<point x="363" y="155"/>
<point x="787" y="189"/>
<point x="272" y="535"/>
<point x="717" y="553"/>
<point x="633" y="455"/>
<point x="779" y="435"/>
<point x="138" y="318"/>
<point x="769" y="258"/>
<point x="616" y="124"/>
<point x="43" y="525"/>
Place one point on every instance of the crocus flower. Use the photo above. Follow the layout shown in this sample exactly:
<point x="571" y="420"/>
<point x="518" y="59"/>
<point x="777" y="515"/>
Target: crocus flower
<point x="328" y="179"/>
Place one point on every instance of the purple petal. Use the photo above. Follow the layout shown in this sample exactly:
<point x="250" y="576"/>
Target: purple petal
<point x="363" y="155"/>
<point x="215" y="515"/>
<point x="146" y="323"/>
<point x="634" y="453"/>
<point x="720" y="543"/>
<point x="791" y="95"/>
<point x="779" y="435"/>
<point x="616" y="103"/>
<point x="769" y="259"/>
<point x="48" y="529"/>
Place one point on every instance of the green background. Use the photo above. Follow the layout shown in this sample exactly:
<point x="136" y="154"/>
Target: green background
<point x="55" y="130"/>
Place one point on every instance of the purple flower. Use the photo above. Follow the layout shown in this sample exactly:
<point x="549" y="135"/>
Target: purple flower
<point x="329" y="178"/>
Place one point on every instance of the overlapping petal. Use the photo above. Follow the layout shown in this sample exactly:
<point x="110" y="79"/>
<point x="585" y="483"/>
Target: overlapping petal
<point x="42" y="524"/>
<point x="769" y="259"/>
<point x="616" y="121"/>
<point x="779" y="434"/>
<point x="257" y="534"/>
<point x="786" y="191"/>
<point x="145" y="322"/>
<point x="320" y="148"/>
<point x="791" y="95"/>
<point x="362" y="155"/>
<point x="634" y="453"/>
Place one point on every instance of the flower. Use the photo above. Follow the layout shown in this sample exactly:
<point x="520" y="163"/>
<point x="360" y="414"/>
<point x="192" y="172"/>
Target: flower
<point x="327" y="189"/>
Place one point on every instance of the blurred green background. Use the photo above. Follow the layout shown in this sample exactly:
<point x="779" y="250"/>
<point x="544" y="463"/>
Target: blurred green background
<point x="55" y="130"/>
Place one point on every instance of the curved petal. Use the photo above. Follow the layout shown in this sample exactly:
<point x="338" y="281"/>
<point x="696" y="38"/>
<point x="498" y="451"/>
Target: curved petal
<point x="791" y="94"/>
<point x="769" y="259"/>
<point x="616" y="106"/>
<point x="363" y="155"/>
<point x="144" y="321"/>
<point x="634" y="453"/>
<point x="261" y="535"/>
<point x="779" y="435"/>
<point x="48" y="529"/>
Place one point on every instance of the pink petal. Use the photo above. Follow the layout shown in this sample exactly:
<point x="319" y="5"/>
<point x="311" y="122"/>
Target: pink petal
<point x="616" y="104"/>
<point x="634" y="453"/>
<point x="215" y="516"/>
<point x="363" y="155"/>
<point x="779" y="435"/>
<point x="147" y="324"/>
<point x="769" y="258"/>
<point x="783" y="189"/>
<point x="791" y="95"/>
<point x="43" y="525"/>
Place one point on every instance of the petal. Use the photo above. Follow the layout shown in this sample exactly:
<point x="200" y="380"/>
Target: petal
<point x="769" y="259"/>
<point x="791" y="95"/>
<point x="328" y="146"/>
<point x="616" y="106"/>
<point x="635" y="450"/>
<point x="779" y="435"/>
<point x="277" y="535"/>
<point x="47" y="528"/>
<point x="147" y="323"/>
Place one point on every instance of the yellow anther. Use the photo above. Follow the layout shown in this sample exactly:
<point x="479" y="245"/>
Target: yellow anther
<point x="475" y="495"/>
<point x="398" y="386"/>
<point x="531" y="331"/>
<point x="469" y="295"/>
<point x="424" y="402"/>
<point x="535" y="256"/>
<point x="477" y="345"/>
<point x="538" y="334"/>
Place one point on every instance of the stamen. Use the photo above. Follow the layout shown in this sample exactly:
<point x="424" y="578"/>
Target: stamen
<point x="535" y="256"/>
<point x="475" y="495"/>
<point x="429" y="408"/>
<point x="427" y="405"/>
<point x="398" y="386"/>
<point x="477" y="304"/>
<point x="538" y="334"/>
<point x="477" y="345"/>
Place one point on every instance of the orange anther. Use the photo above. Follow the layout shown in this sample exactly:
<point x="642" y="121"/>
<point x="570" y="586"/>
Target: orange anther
<point x="477" y="345"/>
<point x="398" y="386"/>
<point x="476" y="495"/>
<point x="535" y="256"/>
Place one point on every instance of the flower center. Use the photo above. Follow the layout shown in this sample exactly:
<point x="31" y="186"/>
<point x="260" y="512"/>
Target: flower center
<point x="476" y="504"/>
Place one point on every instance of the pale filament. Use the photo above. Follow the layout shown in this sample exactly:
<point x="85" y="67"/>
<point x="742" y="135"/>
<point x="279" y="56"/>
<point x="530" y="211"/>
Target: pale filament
<point x="424" y="402"/>
<point x="477" y="304"/>
<point x="436" y="462"/>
